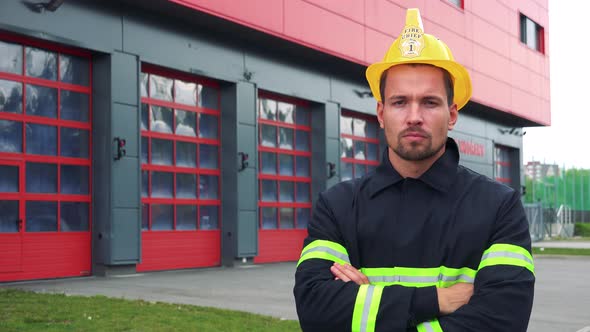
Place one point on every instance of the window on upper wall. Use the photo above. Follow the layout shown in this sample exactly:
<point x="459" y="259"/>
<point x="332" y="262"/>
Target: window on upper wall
<point x="532" y="34"/>
<point x="458" y="3"/>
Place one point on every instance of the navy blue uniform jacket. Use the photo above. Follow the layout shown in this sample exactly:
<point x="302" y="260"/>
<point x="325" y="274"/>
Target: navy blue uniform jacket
<point x="410" y="236"/>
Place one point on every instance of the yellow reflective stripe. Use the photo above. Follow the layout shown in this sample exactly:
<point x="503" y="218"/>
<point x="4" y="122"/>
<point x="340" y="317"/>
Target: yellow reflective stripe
<point x="507" y="261"/>
<point x="374" y="308"/>
<point x="405" y="271"/>
<point x="324" y="249"/>
<point x="366" y="307"/>
<point x="463" y="272"/>
<point x="325" y="243"/>
<point x="419" y="277"/>
<point x="507" y="254"/>
<point x="451" y="276"/>
<point x="430" y="326"/>
<point x="359" y="305"/>
<point x="511" y="248"/>
<point x="404" y="276"/>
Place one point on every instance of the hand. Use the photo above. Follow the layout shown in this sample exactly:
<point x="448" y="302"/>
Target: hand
<point x="452" y="298"/>
<point x="347" y="272"/>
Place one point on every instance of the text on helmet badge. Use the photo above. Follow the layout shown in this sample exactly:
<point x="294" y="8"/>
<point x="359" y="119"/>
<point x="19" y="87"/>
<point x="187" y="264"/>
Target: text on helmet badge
<point x="411" y="42"/>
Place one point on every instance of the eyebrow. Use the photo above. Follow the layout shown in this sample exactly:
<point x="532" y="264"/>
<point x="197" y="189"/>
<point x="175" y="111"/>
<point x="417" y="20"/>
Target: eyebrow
<point x="434" y="97"/>
<point x="394" y="97"/>
<point x="427" y="97"/>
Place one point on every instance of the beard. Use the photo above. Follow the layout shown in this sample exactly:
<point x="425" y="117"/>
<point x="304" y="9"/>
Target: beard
<point x="414" y="151"/>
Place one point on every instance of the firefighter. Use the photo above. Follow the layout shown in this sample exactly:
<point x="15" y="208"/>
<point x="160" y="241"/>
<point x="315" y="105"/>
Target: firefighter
<point x="422" y="243"/>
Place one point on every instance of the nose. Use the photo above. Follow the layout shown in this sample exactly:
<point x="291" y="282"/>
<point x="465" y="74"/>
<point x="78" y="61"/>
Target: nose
<point x="414" y="115"/>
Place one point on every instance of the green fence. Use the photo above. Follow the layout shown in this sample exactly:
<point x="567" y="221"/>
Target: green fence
<point x="571" y="187"/>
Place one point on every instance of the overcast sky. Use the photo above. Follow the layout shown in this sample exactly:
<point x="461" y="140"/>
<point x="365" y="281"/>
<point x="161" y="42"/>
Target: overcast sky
<point x="567" y="140"/>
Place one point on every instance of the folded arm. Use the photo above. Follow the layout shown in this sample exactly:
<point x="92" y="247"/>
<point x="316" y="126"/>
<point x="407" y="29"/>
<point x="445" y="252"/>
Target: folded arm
<point x="504" y="284"/>
<point x="326" y="304"/>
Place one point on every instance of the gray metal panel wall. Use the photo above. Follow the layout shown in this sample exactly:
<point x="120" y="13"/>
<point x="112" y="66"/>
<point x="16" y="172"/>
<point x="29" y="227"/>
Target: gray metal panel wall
<point x="229" y="195"/>
<point x="354" y="96"/>
<point x="481" y="164"/>
<point x="332" y="140"/>
<point x="126" y="177"/>
<point x="272" y="74"/>
<point x="101" y="159"/>
<point x="247" y="184"/>
<point x="515" y="168"/>
<point x="488" y="134"/>
<point x="117" y="226"/>
<point x="82" y="24"/>
<point x="319" y="149"/>
<point x="176" y="46"/>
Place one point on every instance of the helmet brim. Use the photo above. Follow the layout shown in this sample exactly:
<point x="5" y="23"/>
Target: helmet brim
<point x="461" y="81"/>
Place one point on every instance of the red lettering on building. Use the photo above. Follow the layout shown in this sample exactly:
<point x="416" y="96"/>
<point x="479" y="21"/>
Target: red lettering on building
<point x="471" y="148"/>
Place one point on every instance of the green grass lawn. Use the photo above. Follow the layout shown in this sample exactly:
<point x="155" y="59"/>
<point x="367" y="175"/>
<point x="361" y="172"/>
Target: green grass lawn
<point x="28" y="311"/>
<point x="561" y="251"/>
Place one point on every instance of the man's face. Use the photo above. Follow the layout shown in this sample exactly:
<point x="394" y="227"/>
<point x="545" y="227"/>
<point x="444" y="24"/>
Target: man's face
<point x="414" y="112"/>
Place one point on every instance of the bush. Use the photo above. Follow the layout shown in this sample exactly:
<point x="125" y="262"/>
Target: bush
<point x="582" y="229"/>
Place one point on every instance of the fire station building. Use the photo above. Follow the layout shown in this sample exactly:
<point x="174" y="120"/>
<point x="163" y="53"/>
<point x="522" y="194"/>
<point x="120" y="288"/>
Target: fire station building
<point x="171" y="134"/>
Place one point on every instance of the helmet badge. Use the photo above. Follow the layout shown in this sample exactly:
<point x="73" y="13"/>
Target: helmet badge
<point x="411" y="42"/>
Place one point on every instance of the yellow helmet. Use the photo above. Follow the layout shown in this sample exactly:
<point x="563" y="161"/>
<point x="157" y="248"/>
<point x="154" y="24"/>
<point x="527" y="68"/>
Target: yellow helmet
<point x="415" y="46"/>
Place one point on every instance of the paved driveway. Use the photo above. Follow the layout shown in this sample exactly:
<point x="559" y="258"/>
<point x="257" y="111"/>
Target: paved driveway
<point x="562" y="299"/>
<point x="562" y="294"/>
<point x="562" y="244"/>
<point x="263" y="289"/>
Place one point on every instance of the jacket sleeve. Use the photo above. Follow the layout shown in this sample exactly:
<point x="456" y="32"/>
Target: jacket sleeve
<point x="324" y="304"/>
<point x="504" y="284"/>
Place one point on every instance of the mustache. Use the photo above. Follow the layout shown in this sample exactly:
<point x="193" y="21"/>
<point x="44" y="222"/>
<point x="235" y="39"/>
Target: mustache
<point x="414" y="130"/>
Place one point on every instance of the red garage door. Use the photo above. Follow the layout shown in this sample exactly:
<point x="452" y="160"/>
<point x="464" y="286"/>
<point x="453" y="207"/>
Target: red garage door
<point x="359" y="143"/>
<point x="45" y="160"/>
<point x="284" y="147"/>
<point x="180" y="146"/>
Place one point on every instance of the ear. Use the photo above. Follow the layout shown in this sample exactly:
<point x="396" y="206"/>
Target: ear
<point x="380" y="113"/>
<point x="453" y="116"/>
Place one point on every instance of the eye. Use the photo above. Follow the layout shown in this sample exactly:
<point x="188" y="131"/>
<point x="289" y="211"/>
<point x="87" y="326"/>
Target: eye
<point x="398" y="102"/>
<point x="431" y="103"/>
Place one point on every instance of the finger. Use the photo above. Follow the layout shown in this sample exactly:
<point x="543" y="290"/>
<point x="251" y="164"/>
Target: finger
<point x="356" y="275"/>
<point x="338" y="274"/>
<point x="347" y="273"/>
<point x="466" y="287"/>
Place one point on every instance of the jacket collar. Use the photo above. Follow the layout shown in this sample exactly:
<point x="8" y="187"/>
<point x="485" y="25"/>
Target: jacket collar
<point x="439" y="176"/>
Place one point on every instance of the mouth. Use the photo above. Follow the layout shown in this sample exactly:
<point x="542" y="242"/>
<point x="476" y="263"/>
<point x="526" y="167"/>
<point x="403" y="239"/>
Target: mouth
<point x="415" y="135"/>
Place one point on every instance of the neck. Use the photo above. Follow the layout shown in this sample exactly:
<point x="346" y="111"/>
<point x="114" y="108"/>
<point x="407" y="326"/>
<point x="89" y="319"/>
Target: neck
<point x="411" y="168"/>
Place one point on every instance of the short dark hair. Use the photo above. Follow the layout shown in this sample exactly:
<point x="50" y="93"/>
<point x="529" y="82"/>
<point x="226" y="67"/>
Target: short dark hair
<point x="446" y="77"/>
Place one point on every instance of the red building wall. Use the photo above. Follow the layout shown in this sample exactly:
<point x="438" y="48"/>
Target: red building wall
<point x="484" y="36"/>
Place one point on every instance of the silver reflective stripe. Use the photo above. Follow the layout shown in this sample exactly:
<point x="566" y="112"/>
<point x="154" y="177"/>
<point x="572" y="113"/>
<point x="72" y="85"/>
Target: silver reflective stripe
<point x="429" y="327"/>
<point x="506" y="254"/>
<point x="403" y="279"/>
<point x="418" y="279"/>
<point x="328" y="251"/>
<point x="465" y="277"/>
<point x="424" y="280"/>
<point x="366" y="308"/>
